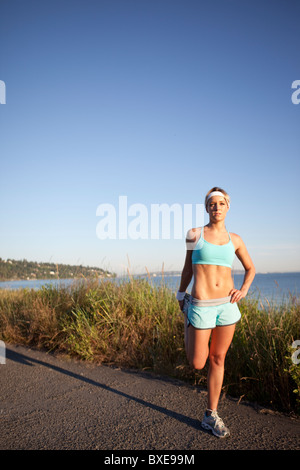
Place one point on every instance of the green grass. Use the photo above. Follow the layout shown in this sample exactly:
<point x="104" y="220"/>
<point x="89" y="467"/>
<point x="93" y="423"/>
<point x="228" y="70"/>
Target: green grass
<point x="134" y="324"/>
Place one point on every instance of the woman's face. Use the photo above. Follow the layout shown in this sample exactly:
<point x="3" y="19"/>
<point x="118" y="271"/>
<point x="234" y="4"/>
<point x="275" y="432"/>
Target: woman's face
<point x="217" y="208"/>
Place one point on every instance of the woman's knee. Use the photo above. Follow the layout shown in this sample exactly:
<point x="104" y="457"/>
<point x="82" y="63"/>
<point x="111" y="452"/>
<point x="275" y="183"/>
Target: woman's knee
<point x="217" y="360"/>
<point x="197" y="350"/>
<point x="197" y="363"/>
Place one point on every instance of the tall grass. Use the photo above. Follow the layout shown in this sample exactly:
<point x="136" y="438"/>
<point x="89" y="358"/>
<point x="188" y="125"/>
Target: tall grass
<point x="137" y="325"/>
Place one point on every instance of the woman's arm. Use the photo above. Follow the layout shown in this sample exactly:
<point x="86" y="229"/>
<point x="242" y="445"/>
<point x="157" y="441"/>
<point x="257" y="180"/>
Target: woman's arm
<point x="244" y="257"/>
<point x="187" y="271"/>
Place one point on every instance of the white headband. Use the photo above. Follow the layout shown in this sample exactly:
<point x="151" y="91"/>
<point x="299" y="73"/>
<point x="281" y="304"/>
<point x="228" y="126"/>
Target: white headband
<point x="217" y="193"/>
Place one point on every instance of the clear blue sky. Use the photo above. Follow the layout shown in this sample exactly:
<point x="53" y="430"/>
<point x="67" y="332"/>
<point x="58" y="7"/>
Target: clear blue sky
<point x="158" y="100"/>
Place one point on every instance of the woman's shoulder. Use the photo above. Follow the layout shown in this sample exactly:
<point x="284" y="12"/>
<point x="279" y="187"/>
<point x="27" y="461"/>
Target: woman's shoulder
<point x="236" y="239"/>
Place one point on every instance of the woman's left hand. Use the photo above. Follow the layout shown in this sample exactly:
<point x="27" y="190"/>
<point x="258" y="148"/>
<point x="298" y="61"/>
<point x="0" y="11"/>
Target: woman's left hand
<point x="237" y="295"/>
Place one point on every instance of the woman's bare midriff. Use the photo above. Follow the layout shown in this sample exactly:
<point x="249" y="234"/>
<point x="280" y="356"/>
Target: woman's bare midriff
<point x="211" y="282"/>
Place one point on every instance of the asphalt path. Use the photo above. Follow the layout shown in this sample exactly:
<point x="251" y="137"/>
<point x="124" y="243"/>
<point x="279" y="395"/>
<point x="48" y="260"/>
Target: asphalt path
<point x="54" y="403"/>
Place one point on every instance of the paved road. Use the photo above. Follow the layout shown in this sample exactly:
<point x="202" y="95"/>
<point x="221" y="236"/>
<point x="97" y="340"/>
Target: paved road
<point x="49" y="402"/>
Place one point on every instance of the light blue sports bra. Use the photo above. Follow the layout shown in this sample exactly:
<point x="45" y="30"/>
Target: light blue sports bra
<point x="208" y="253"/>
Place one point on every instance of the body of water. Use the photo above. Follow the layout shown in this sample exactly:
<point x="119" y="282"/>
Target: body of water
<point x="275" y="287"/>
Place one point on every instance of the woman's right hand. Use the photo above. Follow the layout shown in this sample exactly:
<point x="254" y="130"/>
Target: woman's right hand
<point x="181" y="302"/>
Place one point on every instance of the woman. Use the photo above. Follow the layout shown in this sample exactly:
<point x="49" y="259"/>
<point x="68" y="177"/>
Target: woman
<point x="212" y="309"/>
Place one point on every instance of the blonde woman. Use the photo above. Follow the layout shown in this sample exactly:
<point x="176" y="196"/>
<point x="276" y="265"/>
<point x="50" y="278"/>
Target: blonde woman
<point x="212" y="310"/>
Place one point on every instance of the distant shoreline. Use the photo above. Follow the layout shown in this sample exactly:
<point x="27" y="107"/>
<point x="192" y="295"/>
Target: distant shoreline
<point x="24" y="270"/>
<point x="12" y="270"/>
<point x="54" y="278"/>
<point x="144" y="275"/>
<point x="178" y="273"/>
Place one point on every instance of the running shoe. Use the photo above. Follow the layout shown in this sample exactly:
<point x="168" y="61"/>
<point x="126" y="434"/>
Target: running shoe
<point x="215" y="424"/>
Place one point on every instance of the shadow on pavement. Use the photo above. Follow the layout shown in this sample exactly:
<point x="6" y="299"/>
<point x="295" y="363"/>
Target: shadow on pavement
<point x="29" y="361"/>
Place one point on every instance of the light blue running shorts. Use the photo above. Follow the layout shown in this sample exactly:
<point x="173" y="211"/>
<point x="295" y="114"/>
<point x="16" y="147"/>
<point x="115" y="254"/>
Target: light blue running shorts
<point x="207" y="314"/>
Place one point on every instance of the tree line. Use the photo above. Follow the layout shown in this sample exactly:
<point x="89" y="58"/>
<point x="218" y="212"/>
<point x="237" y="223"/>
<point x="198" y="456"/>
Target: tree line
<point x="22" y="269"/>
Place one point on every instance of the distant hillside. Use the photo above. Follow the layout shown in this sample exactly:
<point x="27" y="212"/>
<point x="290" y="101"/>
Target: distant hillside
<point x="11" y="270"/>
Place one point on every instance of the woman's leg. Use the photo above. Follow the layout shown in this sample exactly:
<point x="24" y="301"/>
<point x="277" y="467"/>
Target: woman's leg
<point x="196" y="342"/>
<point x="220" y="341"/>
